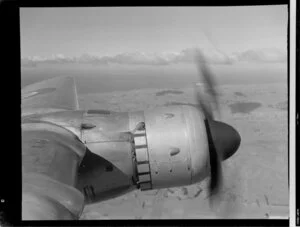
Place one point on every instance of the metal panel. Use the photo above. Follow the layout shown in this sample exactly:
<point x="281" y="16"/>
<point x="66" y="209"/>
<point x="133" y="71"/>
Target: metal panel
<point x="112" y="127"/>
<point x="141" y="140"/>
<point x="144" y="178"/>
<point x="143" y="168"/>
<point x="142" y="154"/>
<point x="117" y="153"/>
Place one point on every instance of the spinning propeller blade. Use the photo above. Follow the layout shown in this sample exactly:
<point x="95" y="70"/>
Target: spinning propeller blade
<point x="223" y="139"/>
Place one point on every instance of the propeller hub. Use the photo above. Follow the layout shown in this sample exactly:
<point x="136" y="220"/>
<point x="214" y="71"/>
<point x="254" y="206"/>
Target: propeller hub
<point x="225" y="138"/>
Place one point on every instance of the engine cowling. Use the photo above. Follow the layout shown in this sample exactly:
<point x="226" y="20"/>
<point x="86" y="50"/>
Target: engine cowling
<point x="172" y="149"/>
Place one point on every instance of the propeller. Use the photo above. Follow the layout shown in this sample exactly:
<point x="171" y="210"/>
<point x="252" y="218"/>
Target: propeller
<point x="223" y="139"/>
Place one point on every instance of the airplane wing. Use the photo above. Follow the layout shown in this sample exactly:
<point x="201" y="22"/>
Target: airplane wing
<point x="51" y="95"/>
<point x="50" y="154"/>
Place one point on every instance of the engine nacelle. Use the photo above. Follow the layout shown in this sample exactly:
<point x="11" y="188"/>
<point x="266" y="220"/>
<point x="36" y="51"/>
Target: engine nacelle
<point x="165" y="147"/>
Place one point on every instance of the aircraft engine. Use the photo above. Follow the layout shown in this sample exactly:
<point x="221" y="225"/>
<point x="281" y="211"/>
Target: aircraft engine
<point x="164" y="147"/>
<point x="171" y="147"/>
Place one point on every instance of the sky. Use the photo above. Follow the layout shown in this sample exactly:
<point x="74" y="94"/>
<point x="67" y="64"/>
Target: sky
<point x="153" y="35"/>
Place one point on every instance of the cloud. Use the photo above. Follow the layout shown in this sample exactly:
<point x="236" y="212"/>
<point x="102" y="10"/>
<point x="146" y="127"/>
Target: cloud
<point x="35" y="60"/>
<point x="140" y="58"/>
<point x="211" y="56"/>
<point x="25" y="62"/>
<point x="262" y="55"/>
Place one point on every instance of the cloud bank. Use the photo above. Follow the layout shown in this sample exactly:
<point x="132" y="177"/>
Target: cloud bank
<point x="263" y="55"/>
<point x="212" y="56"/>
